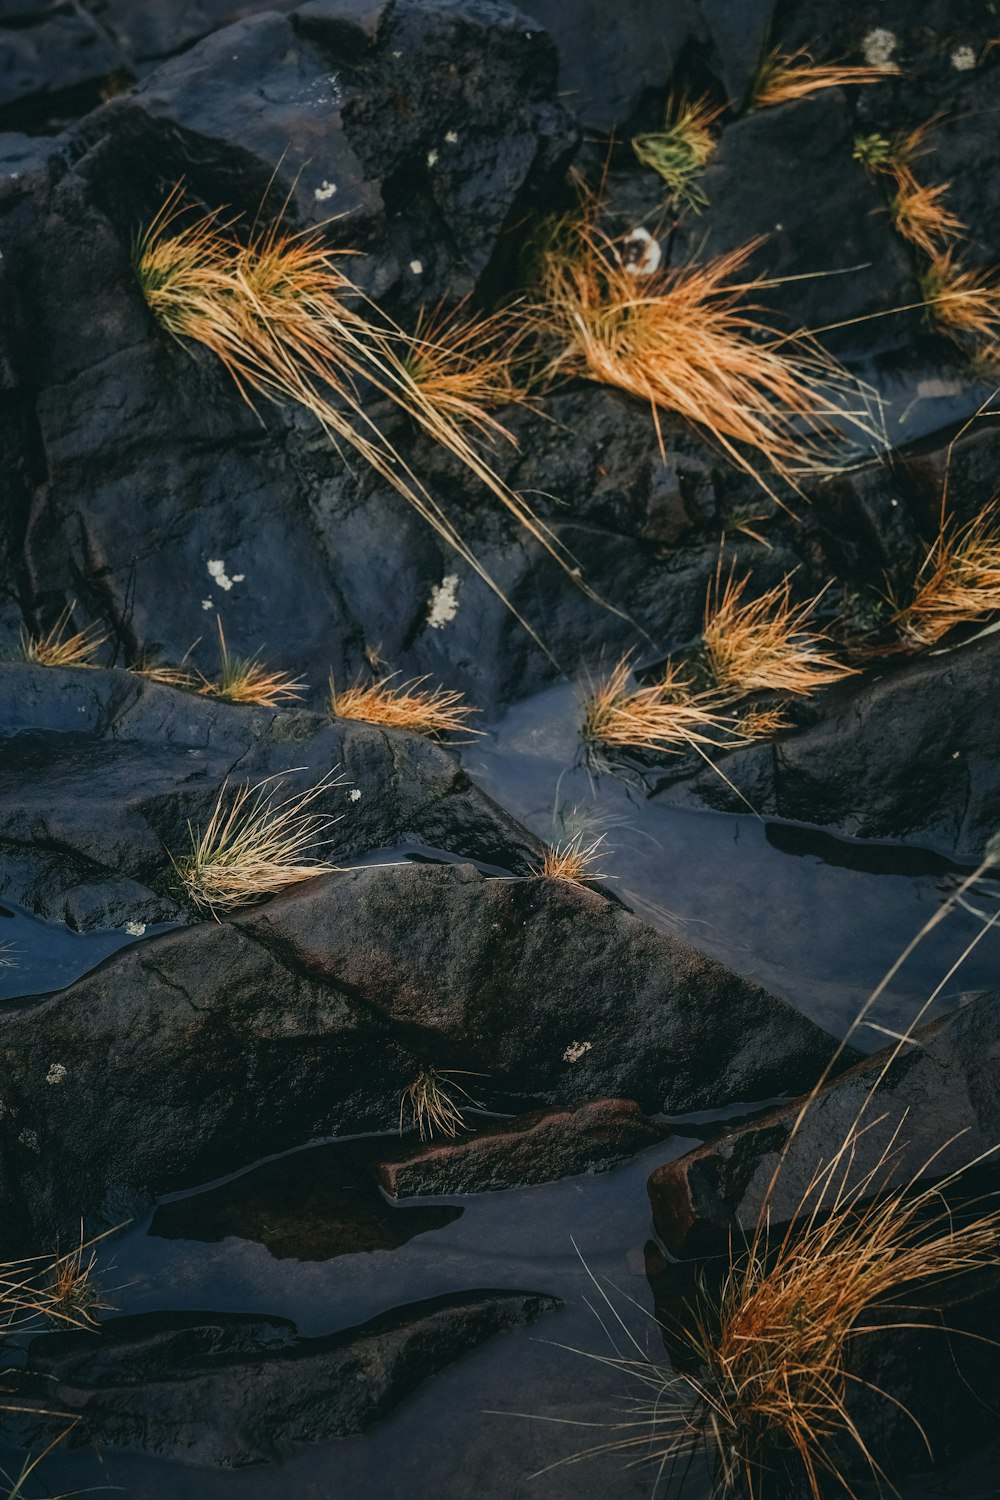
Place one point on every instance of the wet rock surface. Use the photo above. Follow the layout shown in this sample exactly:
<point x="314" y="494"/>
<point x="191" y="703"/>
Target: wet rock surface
<point x="936" y="1107"/>
<point x="537" y="1147"/>
<point x="234" y="1391"/>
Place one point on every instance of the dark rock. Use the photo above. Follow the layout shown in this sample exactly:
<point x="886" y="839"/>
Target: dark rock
<point x="906" y="753"/>
<point x="537" y="1147"/>
<point x="942" y="1094"/>
<point x="53" y="64"/>
<point x="191" y="1054"/>
<point x="148" y="33"/>
<point x="102" y="771"/>
<point x="312" y="1205"/>
<point x="234" y="1390"/>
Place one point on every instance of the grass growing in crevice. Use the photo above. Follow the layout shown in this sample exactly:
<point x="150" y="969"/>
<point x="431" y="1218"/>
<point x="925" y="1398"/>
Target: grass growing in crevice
<point x="680" y="151"/>
<point x="463" y="365"/>
<point x="245" y="679"/>
<point x="574" y="860"/>
<point x="59" y="647"/>
<point x="667" y="715"/>
<point x="782" y="77"/>
<point x="407" y="705"/>
<point x="433" y="1105"/>
<point x="961" y="300"/>
<point x="690" y="342"/>
<point x="765" y="643"/>
<point x="919" y="214"/>
<point x="958" y="581"/>
<point x="254" y="846"/>
<point x="167" y="676"/>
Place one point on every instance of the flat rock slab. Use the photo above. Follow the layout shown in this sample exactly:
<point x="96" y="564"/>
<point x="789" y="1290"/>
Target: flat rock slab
<point x="191" y="1054"/>
<point x="233" y="1390"/>
<point x="941" y="1094"/>
<point x="537" y="1147"/>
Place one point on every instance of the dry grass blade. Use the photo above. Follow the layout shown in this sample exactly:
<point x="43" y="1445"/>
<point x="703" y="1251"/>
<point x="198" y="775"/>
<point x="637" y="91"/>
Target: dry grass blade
<point x="408" y="705"/>
<point x="781" y="78"/>
<point x="958" y="581"/>
<point x="668" y="715"/>
<point x="573" y="860"/>
<point x="57" y="1288"/>
<point x="57" y="649"/>
<point x="765" y="643"/>
<point x="244" y="679"/>
<point x="760" y="723"/>
<point x="253" y="846"/>
<point x="961" y="300"/>
<point x="75" y="1295"/>
<point x="682" y="148"/>
<point x="174" y="677"/>
<point x="463" y="365"/>
<point x="689" y="343"/>
<point x="918" y="212"/>
<point x="433" y="1106"/>
<point x="8" y="956"/>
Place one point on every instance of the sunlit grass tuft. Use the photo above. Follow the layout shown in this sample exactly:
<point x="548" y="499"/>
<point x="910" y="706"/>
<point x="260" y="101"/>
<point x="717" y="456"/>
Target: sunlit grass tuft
<point x="919" y="213"/>
<point x="167" y="676"/>
<point x="783" y="77"/>
<point x="962" y="301"/>
<point x="433" y="1105"/>
<point x="688" y="342"/>
<point x="254" y="846"/>
<point x="668" y="715"/>
<point x="684" y="146"/>
<point x="574" y="860"/>
<point x="73" y="1286"/>
<point x="761" y="723"/>
<point x="765" y="643"/>
<point x="462" y="363"/>
<point x="245" y="679"/>
<point x="56" y="648"/>
<point x="408" y="705"/>
<point x="958" y="581"/>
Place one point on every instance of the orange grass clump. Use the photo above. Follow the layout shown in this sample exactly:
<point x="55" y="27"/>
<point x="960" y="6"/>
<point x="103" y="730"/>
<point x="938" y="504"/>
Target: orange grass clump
<point x="409" y="705"/>
<point x="289" y="325"/>
<point x="682" y="148"/>
<point x="962" y="301"/>
<point x="432" y="1105"/>
<point x="573" y="860"/>
<point x="463" y="364"/>
<point x="687" y="342"/>
<point x="666" y="715"/>
<point x="919" y="213"/>
<point x="958" y="581"/>
<point x="765" y="643"/>
<point x="781" y="78"/>
<point x="57" y="649"/>
<point x="244" y="679"/>
<point x="253" y="847"/>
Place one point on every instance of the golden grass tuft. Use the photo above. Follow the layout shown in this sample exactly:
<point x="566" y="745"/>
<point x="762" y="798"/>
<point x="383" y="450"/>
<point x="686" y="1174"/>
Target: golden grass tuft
<point x="669" y="715"/>
<point x="958" y="581"/>
<point x="688" y="342"/>
<point x="765" y="643"/>
<point x="73" y="1288"/>
<point x="173" y="677"/>
<point x="253" y="846"/>
<point x="462" y="363"/>
<point x="762" y="1378"/>
<point x="573" y="860"/>
<point x="244" y="679"/>
<point x="59" y="1288"/>
<point x="408" y="705"/>
<point x="783" y="77"/>
<point x="919" y="214"/>
<point x="760" y="723"/>
<point x="433" y="1106"/>
<point x="58" y="649"/>
<point x="962" y="301"/>
<point x="289" y="326"/>
<point x="682" y="148"/>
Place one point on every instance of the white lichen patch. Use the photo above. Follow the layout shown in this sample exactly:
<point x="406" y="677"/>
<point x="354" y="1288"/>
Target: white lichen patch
<point x="324" y="191"/>
<point x="217" y="572"/>
<point x="417" y="267"/>
<point x="451" y="137"/>
<point x="442" y="607"/>
<point x="576" y="1050"/>
<point x="878" y="47"/>
<point x="963" y="58"/>
<point x="207" y="604"/>
<point x="432" y="157"/>
<point x="135" y="929"/>
<point x="56" y="1074"/>
<point x="28" y="1139"/>
<point x="640" y="253"/>
<point x="354" y="795"/>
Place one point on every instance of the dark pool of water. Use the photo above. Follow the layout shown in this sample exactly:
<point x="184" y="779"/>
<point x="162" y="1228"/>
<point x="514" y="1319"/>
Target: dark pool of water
<point x="816" y="919"/>
<point x="38" y="956"/>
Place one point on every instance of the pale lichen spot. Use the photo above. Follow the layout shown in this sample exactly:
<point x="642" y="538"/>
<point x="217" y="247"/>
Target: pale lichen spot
<point x="576" y="1050"/>
<point x="451" y="136"/>
<point x="417" y="267"/>
<point x="878" y="47"/>
<point x="442" y="607"/>
<point x="640" y="253"/>
<point x="135" y="929"/>
<point x="56" y="1074"/>
<point x="324" y="191"/>
<point x="432" y="157"/>
<point x="28" y="1139"/>
<point x="218" y="574"/>
<point x="963" y="58"/>
<point x="207" y="604"/>
<point x="354" y="795"/>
